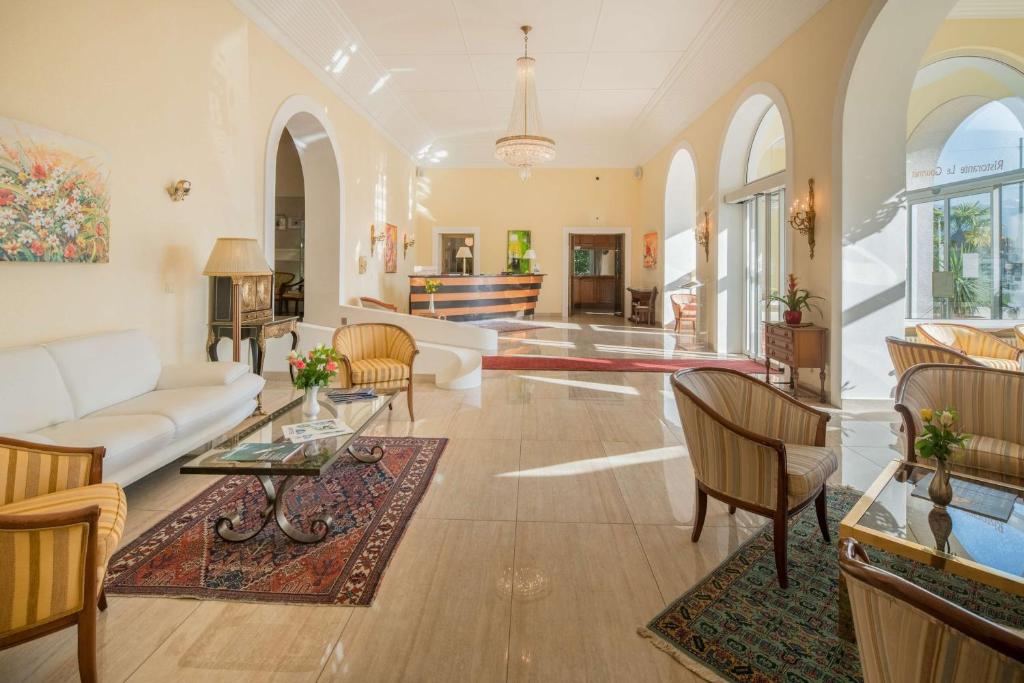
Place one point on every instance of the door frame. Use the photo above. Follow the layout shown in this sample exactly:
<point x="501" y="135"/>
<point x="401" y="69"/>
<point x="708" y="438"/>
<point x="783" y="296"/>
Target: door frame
<point x="435" y="246"/>
<point x="627" y="259"/>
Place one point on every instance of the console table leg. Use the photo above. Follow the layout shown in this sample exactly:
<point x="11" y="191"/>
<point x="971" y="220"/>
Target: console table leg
<point x="295" y="345"/>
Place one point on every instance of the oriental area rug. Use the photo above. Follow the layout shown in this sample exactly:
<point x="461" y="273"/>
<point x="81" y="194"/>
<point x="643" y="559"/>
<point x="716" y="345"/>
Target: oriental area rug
<point x="371" y="503"/>
<point x="736" y="624"/>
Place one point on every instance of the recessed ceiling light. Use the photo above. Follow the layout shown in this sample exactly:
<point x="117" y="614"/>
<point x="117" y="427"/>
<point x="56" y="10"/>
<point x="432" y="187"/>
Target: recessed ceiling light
<point x="340" y="65"/>
<point x="441" y="153"/>
<point x="352" y="48"/>
<point x="380" y="83"/>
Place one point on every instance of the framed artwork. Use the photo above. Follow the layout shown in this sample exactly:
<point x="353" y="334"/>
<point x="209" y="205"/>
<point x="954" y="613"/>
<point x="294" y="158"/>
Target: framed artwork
<point x="390" y="248"/>
<point x="650" y="250"/>
<point x="519" y="243"/>
<point x="54" y="197"/>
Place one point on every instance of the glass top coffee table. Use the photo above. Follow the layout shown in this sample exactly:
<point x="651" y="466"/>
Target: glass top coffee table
<point x="318" y="456"/>
<point x="980" y="535"/>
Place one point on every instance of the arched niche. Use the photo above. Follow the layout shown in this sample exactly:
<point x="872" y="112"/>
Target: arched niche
<point x="680" y="248"/>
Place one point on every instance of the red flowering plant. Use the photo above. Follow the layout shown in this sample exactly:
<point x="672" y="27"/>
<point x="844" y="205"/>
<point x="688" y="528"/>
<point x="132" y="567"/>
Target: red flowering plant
<point x="796" y="299"/>
<point x="316" y="368"/>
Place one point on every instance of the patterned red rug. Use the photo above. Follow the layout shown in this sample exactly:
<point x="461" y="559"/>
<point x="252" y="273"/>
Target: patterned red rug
<point x="182" y="556"/>
<point x="529" y="362"/>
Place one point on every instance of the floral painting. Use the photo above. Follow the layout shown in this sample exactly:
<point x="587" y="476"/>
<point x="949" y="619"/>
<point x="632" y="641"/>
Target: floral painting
<point x="390" y="248"/>
<point x="650" y="250"/>
<point x="54" y="197"/>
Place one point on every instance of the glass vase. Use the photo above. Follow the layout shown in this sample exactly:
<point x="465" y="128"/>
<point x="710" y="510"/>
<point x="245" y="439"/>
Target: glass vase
<point x="431" y="302"/>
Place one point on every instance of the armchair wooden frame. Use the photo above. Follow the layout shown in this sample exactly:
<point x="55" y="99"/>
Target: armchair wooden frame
<point x="347" y="362"/>
<point x="854" y="562"/>
<point x="781" y="513"/>
<point x="93" y="600"/>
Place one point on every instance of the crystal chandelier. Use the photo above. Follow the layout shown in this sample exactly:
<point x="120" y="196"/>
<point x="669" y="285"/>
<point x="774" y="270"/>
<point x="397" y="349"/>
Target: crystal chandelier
<point x="524" y="145"/>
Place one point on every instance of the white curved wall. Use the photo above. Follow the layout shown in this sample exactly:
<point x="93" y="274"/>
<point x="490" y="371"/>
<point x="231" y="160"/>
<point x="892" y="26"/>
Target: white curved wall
<point x="679" y="249"/>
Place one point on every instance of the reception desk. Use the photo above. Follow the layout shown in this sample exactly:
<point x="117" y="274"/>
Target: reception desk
<point x="476" y="297"/>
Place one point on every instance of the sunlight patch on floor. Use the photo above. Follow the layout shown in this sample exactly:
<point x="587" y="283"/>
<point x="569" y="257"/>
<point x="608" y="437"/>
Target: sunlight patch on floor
<point x="541" y="342"/>
<point x="595" y="386"/>
<point x="590" y="465"/>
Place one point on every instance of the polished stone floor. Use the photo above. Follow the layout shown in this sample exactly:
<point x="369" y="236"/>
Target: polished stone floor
<point x="557" y="522"/>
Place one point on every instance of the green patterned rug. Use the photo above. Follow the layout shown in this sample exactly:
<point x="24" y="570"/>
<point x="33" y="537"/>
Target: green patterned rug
<point x="738" y="625"/>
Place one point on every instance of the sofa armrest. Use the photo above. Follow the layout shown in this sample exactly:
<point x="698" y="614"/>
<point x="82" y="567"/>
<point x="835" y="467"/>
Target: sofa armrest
<point x="203" y="374"/>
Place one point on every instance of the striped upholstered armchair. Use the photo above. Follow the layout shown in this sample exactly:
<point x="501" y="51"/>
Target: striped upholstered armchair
<point x="905" y="633"/>
<point x="907" y="354"/>
<point x="753" y="447"/>
<point x="989" y="402"/>
<point x="376" y="355"/>
<point x="59" y="525"/>
<point x="983" y="347"/>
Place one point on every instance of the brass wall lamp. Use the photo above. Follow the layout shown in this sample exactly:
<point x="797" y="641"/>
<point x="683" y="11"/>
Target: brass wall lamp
<point x="179" y="190"/>
<point x="703" y="235"/>
<point x="375" y="237"/>
<point x="802" y="216"/>
<point x="406" y="243"/>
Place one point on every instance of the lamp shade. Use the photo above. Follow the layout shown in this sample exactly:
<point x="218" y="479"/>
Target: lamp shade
<point x="530" y="254"/>
<point x="464" y="252"/>
<point x="236" y="256"/>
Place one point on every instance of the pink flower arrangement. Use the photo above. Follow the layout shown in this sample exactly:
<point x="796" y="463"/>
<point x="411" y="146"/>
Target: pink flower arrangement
<point x="315" y="369"/>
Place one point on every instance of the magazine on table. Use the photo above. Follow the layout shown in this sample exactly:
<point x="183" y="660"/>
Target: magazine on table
<point x="305" y="432"/>
<point x="264" y="452"/>
<point x="351" y="395"/>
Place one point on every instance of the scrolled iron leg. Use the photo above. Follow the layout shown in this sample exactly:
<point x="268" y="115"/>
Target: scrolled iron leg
<point x="367" y="455"/>
<point x="226" y="525"/>
<point x="318" y="527"/>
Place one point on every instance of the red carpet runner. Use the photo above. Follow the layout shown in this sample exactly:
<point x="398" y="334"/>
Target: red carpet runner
<point x="615" y="364"/>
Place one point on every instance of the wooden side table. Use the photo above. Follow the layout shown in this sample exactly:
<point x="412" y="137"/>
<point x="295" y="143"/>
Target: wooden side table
<point x="257" y="332"/>
<point x="797" y="347"/>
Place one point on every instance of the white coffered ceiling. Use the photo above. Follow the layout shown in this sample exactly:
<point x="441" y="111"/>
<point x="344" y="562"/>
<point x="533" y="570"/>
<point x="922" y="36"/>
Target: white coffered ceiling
<point x="616" y="78"/>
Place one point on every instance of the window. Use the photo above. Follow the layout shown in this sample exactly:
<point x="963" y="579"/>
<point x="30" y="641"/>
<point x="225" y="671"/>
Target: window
<point x="768" y="148"/>
<point x="764" y="265"/>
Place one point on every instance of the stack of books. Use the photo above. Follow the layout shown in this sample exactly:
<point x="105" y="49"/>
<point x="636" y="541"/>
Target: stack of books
<point x="351" y="395"/>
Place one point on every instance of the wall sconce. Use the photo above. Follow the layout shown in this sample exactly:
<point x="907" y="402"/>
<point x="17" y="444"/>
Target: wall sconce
<point x="406" y="243"/>
<point x="703" y="235"/>
<point x="375" y="237"/>
<point x="179" y="190"/>
<point x="802" y="216"/>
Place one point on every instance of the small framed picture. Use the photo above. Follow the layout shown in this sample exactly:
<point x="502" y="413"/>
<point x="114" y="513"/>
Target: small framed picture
<point x="281" y="221"/>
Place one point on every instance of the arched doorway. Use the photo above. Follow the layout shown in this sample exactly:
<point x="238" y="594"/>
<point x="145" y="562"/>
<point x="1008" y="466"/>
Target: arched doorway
<point x="753" y="178"/>
<point x="306" y="123"/>
<point x="680" y="248"/>
<point x="289" y="229"/>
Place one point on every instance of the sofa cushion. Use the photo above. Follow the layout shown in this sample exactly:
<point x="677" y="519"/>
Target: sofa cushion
<point x="103" y="369"/>
<point x="203" y="374"/>
<point x="193" y="408"/>
<point x="123" y="436"/>
<point x="991" y="458"/>
<point x="31" y="437"/>
<point x="32" y="393"/>
<point x="372" y="370"/>
<point x="807" y="468"/>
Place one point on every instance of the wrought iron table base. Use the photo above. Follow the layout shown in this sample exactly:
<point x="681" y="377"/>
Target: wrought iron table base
<point x="368" y="455"/>
<point x="226" y="526"/>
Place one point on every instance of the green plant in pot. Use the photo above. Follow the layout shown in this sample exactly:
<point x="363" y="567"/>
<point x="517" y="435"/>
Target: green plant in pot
<point x="796" y="301"/>
<point x="938" y="441"/>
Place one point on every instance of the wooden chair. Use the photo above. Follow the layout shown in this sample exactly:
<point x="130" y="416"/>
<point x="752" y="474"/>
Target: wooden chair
<point x="684" y="309"/>
<point x="370" y="302"/>
<point x="989" y="404"/>
<point x="643" y="305"/>
<point x="906" y="354"/>
<point x="291" y="297"/>
<point x="59" y="525"/>
<point x="377" y="355"/>
<point x="753" y="447"/>
<point x="908" y="634"/>
<point x="983" y="347"/>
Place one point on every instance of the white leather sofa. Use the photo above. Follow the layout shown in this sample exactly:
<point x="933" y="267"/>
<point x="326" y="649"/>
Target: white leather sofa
<point x="111" y="390"/>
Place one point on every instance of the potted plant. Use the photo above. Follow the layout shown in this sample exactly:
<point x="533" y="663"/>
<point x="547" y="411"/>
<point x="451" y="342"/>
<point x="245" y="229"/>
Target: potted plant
<point x="432" y="286"/>
<point x="313" y="371"/>
<point x="796" y="301"/>
<point x="938" y="441"/>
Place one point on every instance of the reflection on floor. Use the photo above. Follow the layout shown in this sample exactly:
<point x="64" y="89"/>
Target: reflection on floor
<point x="558" y="521"/>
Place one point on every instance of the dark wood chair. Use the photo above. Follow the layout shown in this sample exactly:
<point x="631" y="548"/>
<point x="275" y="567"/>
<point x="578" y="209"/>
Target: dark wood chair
<point x="290" y="296"/>
<point x="684" y="309"/>
<point x="906" y="633"/>
<point x="643" y="301"/>
<point x="754" y="447"/>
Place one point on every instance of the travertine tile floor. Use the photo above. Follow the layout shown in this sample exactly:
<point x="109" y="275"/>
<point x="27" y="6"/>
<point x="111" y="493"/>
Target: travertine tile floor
<point x="557" y="522"/>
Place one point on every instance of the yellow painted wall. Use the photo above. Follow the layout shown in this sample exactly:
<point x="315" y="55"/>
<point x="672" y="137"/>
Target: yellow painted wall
<point x="497" y="200"/>
<point x="182" y="92"/>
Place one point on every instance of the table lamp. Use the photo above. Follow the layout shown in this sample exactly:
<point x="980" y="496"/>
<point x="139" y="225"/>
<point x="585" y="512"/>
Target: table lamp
<point x="464" y="253"/>
<point x="530" y="256"/>
<point x="236" y="257"/>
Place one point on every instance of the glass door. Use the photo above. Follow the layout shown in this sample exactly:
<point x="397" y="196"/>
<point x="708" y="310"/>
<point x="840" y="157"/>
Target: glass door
<point x="764" y="266"/>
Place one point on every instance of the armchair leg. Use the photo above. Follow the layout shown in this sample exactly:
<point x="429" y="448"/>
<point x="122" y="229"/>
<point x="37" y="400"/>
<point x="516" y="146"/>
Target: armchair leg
<point x="408" y="398"/>
<point x="732" y="509"/>
<point x="702" y="510"/>
<point x="87" y="646"/>
<point x="819" y="507"/>
<point x="779" y="531"/>
<point x="102" y="603"/>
